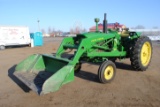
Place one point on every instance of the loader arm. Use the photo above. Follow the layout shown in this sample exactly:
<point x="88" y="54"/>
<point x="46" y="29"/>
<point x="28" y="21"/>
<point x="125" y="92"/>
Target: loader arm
<point x="79" y="45"/>
<point x="63" y="46"/>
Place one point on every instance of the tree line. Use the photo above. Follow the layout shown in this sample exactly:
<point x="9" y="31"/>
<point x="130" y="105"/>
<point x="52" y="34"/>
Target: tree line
<point x="77" y="29"/>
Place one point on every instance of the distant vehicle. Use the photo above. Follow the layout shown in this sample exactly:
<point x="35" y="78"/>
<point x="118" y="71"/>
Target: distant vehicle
<point x="14" y="36"/>
<point x="154" y="38"/>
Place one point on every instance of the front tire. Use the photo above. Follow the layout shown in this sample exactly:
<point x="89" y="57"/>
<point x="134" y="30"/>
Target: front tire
<point x="141" y="53"/>
<point x="106" y="72"/>
<point x="77" y="67"/>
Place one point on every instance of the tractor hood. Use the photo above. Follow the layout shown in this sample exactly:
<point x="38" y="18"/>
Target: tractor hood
<point x="96" y="35"/>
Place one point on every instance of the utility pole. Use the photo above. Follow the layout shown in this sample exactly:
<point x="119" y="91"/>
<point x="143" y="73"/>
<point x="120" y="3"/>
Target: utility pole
<point x="38" y="25"/>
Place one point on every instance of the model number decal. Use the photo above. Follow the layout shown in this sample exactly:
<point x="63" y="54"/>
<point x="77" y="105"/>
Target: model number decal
<point x="95" y="40"/>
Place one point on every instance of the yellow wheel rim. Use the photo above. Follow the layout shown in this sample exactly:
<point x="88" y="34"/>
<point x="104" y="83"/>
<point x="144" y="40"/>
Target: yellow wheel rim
<point x="146" y="53"/>
<point x="108" y="73"/>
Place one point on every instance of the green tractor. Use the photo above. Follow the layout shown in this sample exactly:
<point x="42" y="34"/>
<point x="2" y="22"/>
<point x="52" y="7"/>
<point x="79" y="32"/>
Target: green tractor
<point x="47" y="73"/>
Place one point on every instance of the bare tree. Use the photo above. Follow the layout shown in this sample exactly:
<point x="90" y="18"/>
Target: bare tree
<point x="53" y="30"/>
<point x="59" y="33"/>
<point x="49" y="30"/>
<point x="84" y="30"/>
<point x="71" y="31"/>
<point x="52" y="33"/>
<point x="155" y="27"/>
<point x="140" y="27"/>
<point x="77" y="30"/>
<point x="43" y="31"/>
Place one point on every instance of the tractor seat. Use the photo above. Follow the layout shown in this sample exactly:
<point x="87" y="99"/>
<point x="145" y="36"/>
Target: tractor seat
<point x="124" y="32"/>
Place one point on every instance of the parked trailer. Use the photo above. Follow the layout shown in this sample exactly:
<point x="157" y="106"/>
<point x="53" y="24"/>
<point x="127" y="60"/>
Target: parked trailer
<point x="14" y="36"/>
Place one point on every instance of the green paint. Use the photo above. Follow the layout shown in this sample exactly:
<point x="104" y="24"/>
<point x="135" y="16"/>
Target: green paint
<point x="59" y="70"/>
<point x="55" y="71"/>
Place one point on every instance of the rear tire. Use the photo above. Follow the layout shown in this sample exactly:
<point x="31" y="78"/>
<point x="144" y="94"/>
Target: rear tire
<point x="141" y="53"/>
<point x="106" y="72"/>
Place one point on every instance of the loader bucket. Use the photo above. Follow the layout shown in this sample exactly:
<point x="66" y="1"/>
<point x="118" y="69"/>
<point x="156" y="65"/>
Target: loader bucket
<point x="44" y="73"/>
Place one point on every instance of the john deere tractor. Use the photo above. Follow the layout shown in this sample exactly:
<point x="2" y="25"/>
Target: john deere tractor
<point x="47" y="73"/>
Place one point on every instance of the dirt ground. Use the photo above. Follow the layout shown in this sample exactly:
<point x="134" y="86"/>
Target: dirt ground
<point x="129" y="88"/>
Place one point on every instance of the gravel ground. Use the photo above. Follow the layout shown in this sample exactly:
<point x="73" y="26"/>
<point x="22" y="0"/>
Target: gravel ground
<point x="129" y="88"/>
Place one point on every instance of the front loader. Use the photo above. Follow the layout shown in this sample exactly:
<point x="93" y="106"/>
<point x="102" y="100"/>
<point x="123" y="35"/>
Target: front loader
<point x="47" y="73"/>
